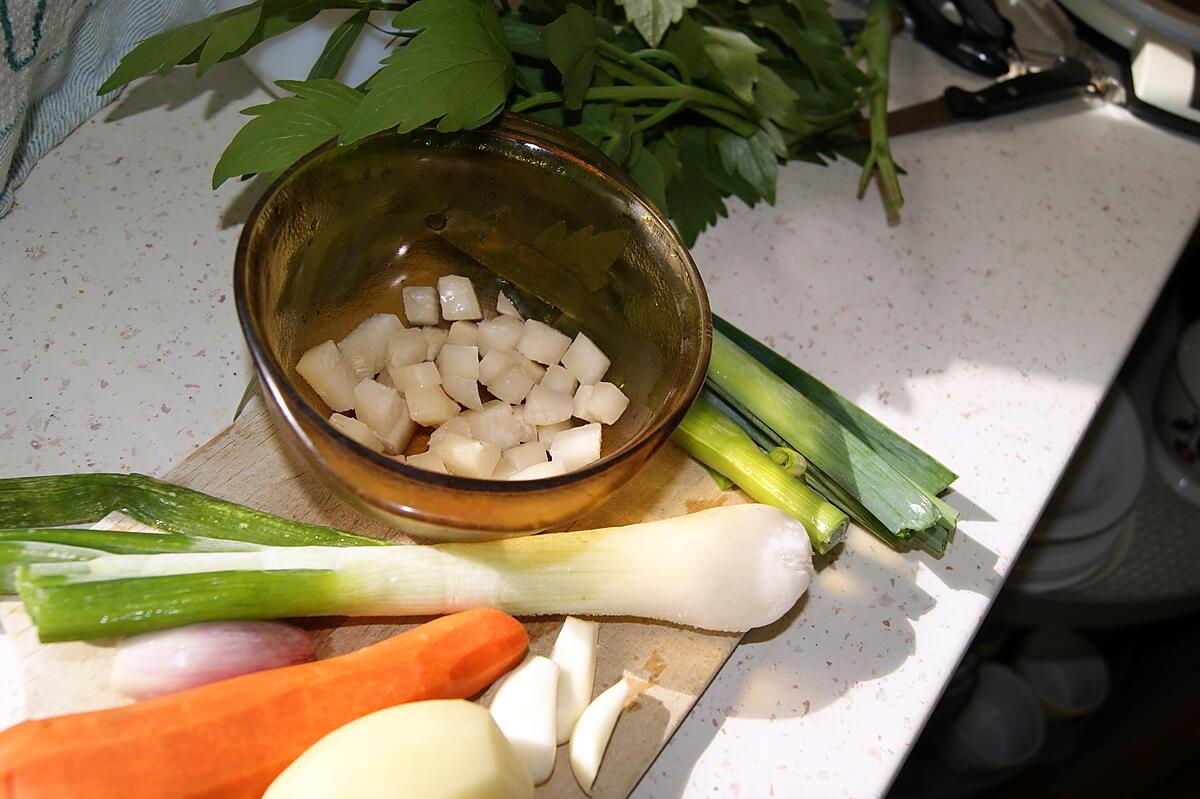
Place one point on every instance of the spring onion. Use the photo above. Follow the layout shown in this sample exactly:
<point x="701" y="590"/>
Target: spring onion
<point x="728" y="568"/>
<point x="716" y="441"/>
<point x="58" y="500"/>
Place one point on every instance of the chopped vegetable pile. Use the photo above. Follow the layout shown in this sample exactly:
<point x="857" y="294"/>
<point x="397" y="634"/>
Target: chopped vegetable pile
<point x="536" y="382"/>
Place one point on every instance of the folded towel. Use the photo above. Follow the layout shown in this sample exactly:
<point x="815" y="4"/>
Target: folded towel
<point x="55" y="56"/>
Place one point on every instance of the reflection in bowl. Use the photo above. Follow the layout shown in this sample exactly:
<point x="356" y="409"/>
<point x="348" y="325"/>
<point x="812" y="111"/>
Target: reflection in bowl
<point x="520" y="207"/>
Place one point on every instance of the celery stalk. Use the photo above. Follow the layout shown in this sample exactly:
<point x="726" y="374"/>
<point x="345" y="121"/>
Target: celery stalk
<point x="78" y="498"/>
<point x="715" y="440"/>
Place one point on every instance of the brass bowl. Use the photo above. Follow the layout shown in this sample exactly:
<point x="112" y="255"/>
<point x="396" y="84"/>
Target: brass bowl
<point x="519" y="206"/>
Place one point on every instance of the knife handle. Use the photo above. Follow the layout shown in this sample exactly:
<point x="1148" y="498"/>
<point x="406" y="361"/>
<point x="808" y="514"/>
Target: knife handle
<point x="1069" y="77"/>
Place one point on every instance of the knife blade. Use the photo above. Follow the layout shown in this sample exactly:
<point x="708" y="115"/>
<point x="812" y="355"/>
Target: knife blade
<point x="1069" y="78"/>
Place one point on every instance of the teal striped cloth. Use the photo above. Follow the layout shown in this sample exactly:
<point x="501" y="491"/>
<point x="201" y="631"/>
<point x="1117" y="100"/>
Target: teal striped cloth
<point x="56" y="54"/>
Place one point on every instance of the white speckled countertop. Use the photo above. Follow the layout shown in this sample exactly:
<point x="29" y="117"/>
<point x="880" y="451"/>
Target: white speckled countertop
<point x="986" y="327"/>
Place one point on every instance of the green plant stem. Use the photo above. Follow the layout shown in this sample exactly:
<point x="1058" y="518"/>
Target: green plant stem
<point x="691" y="94"/>
<point x="877" y="42"/>
<point x="661" y="115"/>
<point x="652" y="71"/>
<point x="685" y="74"/>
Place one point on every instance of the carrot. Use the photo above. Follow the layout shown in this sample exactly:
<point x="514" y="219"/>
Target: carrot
<point x="230" y="739"/>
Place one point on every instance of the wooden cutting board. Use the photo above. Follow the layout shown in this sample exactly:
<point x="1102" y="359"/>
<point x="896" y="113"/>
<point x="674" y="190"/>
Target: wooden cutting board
<point x="247" y="463"/>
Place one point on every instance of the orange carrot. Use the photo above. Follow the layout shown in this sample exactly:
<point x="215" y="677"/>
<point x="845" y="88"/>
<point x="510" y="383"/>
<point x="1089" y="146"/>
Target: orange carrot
<point x="230" y="739"/>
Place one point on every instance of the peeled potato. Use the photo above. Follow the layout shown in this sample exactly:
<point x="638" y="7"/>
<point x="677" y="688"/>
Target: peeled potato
<point x="440" y="749"/>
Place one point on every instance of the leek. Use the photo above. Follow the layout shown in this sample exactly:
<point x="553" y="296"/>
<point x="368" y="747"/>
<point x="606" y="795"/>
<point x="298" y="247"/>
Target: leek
<point x="901" y="508"/>
<point x="728" y="568"/>
<point x="715" y="440"/>
<point x="911" y="461"/>
<point x="80" y="498"/>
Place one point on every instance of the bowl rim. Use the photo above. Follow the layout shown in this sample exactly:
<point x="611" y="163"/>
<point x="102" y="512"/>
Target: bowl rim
<point x="561" y="144"/>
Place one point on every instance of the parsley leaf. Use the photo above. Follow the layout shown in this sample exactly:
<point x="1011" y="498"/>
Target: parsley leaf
<point x="824" y="59"/>
<point x="570" y="43"/>
<point x="338" y="45"/>
<point x="230" y="34"/>
<point x="163" y="51"/>
<point x="647" y="171"/>
<point x="735" y="56"/>
<point x="457" y="70"/>
<point x="754" y="159"/>
<point x="523" y="37"/>
<point x="653" y="17"/>
<point x="286" y="129"/>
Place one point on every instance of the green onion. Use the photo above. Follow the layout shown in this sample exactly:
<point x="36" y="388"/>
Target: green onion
<point x="715" y="440"/>
<point x="79" y="498"/>
<point x="901" y="508"/>
<point x="792" y="461"/>
<point x="726" y="568"/>
<point x="911" y="461"/>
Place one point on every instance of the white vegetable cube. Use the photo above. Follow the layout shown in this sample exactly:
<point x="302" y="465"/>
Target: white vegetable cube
<point x="429" y="405"/>
<point x="458" y="298"/>
<point x="535" y="371"/>
<point x="607" y="403"/>
<point x="560" y="379"/>
<point x="420" y="305"/>
<point x="512" y="385"/>
<point x="547" y="432"/>
<point x="435" y="337"/>
<point x="384" y="378"/>
<point x="463" y="390"/>
<point x="583" y="396"/>
<point x="467" y="457"/>
<point x="459" y="424"/>
<point x="384" y="411"/>
<point x="540" y="470"/>
<point x="429" y="461"/>
<point x="525" y="455"/>
<point x="459" y="360"/>
<point x="405" y="347"/>
<point x="329" y="376"/>
<point x="505" y="306"/>
<point x="577" y="447"/>
<point x="356" y="431"/>
<point x="547" y="406"/>
<point x="365" y="349"/>
<point x="501" y="333"/>
<point x="416" y="375"/>
<point x="585" y="360"/>
<point x="542" y="343"/>
<point x="463" y="332"/>
<point x="504" y="470"/>
<point x="497" y="424"/>
<point x="493" y="364"/>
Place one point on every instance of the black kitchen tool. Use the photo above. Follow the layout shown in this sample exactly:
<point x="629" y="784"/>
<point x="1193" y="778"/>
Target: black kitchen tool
<point x="968" y="32"/>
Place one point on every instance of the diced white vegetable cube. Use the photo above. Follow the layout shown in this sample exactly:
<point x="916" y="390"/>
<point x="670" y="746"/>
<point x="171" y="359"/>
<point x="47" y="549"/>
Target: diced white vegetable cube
<point x="540" y="470"/>
<point x="585" y="360"/>
<point x="384" y="411"/>
<point x="405" y="347"/>
<point x="463" y="332"/>
<point x="435" y="337"/>
<point x="493" y="365"/>
<point x="547" y="406"/>
<point x="528" y="431"/>
<point x="463" y="390"/>
<point x="525" y="455"/>
<point x="329" y="376"/>
<point x="365" y="349"/>
<point x="416" y="375"/>
<point x="535" y="371"/>
<point x="505" y="306"/>
<point x="458" y="299"/>
<point x="420" y="305"/>
<point x="546" y="433"/>
<point x="459" y="424"/>
<point x="512" y="385"/>
<point x="504" y="470"/>
<point x="500" y="333"/>
<point x="583" y="396"/>
<point x="607" y="403"/>
<point x="429" y="405"/>
<point x="356" y="431"/>
<point x="497" y="424"/>
<point x="429" y="461"/>
<point x="560" y="379"/>
<point x="459" y="360"/>
<point x="398" y="458"/>
<point x="384" y="378"/>
<point x="577" y="447"/>
<point x="542" y="343"/>
<point x="467" y="457"/>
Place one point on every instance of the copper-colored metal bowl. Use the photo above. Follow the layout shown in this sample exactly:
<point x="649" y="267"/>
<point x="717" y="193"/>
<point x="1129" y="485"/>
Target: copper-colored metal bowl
<point x="519" y="206"/>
